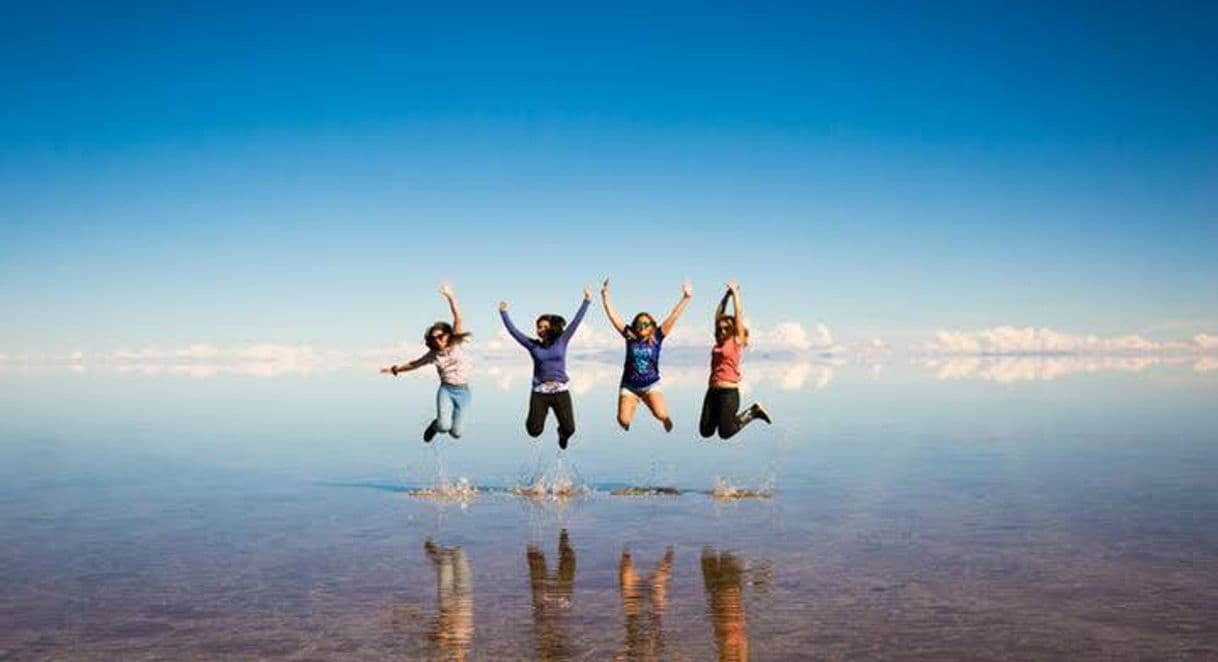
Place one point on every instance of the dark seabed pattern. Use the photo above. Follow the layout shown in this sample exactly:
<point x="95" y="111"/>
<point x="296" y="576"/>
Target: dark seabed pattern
<point x="901" y="516"/>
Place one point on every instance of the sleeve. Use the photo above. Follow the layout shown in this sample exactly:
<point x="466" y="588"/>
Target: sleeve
<point x="569" y="332"/>
<point x="524" y="340"/>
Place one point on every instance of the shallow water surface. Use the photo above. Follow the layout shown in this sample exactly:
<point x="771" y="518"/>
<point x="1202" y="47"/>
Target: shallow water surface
<point x="906" y="514"/>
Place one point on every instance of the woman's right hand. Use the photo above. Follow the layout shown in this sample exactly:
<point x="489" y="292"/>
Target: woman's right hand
<point x="605" y="287"/>
<point x="503" y="306"/>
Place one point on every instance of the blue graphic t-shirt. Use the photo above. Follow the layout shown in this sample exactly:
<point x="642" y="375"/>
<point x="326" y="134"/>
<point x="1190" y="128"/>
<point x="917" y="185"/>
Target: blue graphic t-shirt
<point x="642" y="367"/>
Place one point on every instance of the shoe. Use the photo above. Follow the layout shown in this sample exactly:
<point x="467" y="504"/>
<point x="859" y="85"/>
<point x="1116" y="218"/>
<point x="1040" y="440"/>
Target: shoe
<point x="430" y="433"/>
<point x="562" y="442"/>
<point x="668" y="425"/>
<point x="761" y="413"/>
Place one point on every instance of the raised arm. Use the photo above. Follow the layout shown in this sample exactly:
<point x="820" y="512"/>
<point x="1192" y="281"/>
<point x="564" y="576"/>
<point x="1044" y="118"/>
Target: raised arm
<point x="397" y="369"/>
<point x="721" y="311"/>
<point x="687" y="293"/>
<point x="511" y="328"/>
<point x="569" y="332"/>
<point x="609" y="311"/>
<point x="733" y="291"/>
<point x="446" y="291"/>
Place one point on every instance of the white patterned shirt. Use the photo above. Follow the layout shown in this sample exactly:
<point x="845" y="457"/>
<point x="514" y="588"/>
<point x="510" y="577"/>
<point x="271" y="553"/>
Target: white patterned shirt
<point x="453" y="365"/>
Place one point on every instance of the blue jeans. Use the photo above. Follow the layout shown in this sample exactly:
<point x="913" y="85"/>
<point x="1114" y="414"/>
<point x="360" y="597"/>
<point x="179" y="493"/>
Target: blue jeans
<point x="451" y="402"/>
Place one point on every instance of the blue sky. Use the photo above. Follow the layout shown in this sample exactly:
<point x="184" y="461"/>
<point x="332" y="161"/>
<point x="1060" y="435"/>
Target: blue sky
<point x="291" y="174"/>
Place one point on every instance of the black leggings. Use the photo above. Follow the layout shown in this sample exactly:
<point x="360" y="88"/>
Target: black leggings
<point x="719" y="411"/>
<point x="540" y="404"/>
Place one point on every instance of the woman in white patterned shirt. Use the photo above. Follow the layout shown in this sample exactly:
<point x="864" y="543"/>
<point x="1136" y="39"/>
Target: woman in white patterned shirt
<point x="444" y="342"/>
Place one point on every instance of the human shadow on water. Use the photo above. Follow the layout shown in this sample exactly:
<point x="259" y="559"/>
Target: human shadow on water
<point x="454" y="624"/>
<point x="382" y="485"/>
<point x="723" y="579"/>
<point x="552" y="599"/>
<point x="644" y="633"/>
<point x="451" y="630"/>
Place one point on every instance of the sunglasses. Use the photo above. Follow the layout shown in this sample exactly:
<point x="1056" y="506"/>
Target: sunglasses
<point x="437" y="336"/>
<point x="644" y="324"/>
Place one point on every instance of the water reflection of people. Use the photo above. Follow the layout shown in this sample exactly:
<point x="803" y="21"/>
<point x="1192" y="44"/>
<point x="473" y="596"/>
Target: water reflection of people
<point x="722" y="576"/>
<point x="454" y="626"/>
<point x="552" y="599"/>
<point x="644" y="636"/>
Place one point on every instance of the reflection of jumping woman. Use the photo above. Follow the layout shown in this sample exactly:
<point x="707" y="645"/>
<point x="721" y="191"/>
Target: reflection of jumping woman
<point x="549" y="352"/>
<point x="641" y="374"/>
<point x="723" y="396"/>
<point x="444" y="342"/>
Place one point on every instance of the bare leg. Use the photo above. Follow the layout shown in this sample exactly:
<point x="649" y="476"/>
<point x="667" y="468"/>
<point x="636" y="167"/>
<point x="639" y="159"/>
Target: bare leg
<point x="655" y="402"/>
<point x="626" y="405"/>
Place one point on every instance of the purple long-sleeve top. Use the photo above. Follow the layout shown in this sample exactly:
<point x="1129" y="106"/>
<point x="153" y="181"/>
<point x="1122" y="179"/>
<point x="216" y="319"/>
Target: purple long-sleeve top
<point x="549" y="363"/>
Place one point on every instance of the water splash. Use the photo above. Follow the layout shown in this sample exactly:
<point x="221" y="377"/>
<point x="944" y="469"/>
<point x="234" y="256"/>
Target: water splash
<point x="724" y="489"/>
<point x="460" y="490"/>
<point x="560" y="481"/>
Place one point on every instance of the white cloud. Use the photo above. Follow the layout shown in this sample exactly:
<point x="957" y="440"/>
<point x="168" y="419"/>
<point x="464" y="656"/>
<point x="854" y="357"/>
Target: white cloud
<point x="792" y="336"/>
<point x="1009" y="340"/>
<point x="788" y="355"/>
<point x="1206" y="342"/>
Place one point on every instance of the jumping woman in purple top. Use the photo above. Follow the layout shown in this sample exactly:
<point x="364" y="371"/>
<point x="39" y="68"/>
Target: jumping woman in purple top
<point x="641" y="374"/>
<point x="549" y="352"/>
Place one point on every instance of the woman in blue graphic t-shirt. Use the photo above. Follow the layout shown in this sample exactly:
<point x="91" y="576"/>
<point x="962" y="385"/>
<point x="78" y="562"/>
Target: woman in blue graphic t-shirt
<point x="641" y="373"/>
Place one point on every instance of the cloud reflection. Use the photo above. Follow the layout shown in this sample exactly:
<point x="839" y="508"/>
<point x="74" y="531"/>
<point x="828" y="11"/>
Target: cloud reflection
<point x="1012" y="369"/>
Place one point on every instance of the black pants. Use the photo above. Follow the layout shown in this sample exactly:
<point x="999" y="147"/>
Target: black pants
<point x="719" y="412"/>
<point x="540" y="404"/>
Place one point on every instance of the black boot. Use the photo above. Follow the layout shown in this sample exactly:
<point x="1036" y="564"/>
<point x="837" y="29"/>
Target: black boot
<point x="562" y="441"/>
<point x="430" y="432"/>
<point x="759" y="412"/>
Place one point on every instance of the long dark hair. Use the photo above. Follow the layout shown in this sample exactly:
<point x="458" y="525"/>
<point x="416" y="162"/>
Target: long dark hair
<point x="558" y="324"/>
<point x="630" y="332"/>
<point x="453" y="338"/>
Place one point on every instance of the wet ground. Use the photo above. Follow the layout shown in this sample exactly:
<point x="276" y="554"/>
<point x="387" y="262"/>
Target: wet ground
<point x="901" y="518"/>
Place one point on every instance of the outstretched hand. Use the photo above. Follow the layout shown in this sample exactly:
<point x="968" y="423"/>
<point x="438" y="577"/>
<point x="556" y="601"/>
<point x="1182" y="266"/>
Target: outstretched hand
<point x="733" y="287"/>
<point x="389" y="371"/>
<point x="587" y="293"/>
<point x="687" y="289"/>
<point x="503" y="306"/>
<point x="605" y="287"/>
<point x="446" y="291"/>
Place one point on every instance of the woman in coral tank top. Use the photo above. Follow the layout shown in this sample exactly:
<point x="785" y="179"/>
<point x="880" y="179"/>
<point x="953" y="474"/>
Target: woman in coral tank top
<point x="719" y="407"/>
